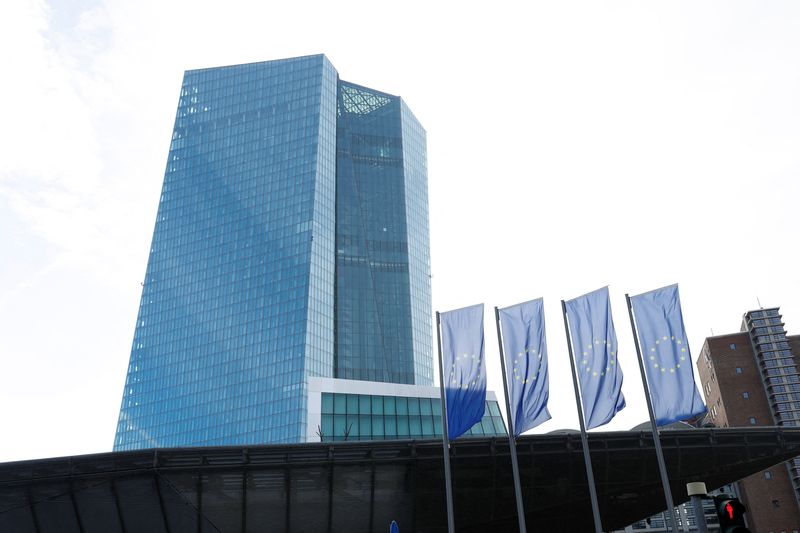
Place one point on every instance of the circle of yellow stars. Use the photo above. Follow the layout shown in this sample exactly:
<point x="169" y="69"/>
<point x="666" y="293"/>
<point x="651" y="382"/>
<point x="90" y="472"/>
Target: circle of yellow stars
<point x="589" y="350"/>
<point x="454" y="381"/>
<point x="519" y="360"/>
<point x="678" y="348"/>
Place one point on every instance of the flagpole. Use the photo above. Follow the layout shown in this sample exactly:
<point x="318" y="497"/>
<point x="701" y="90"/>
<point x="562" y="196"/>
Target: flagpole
<point x="662" y="467"/>
<point x="598" y="526"/>
<point x="512" y="444"/>
<point x="445" y="441"/>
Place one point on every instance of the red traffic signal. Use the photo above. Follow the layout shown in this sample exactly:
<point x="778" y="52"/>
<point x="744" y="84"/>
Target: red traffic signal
<point x="731" y="514"/>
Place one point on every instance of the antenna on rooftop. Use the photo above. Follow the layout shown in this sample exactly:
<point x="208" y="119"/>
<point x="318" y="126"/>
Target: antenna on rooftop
<point x="712" y="332"/>
<point x="759" y="303"/>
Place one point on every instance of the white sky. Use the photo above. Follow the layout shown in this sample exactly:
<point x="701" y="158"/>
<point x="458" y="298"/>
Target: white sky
<point x="571" y="145"/>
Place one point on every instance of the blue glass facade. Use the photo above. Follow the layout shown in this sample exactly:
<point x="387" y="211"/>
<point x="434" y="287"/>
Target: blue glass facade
<point x="245" y="296"/>
<point x="379" y="159"/>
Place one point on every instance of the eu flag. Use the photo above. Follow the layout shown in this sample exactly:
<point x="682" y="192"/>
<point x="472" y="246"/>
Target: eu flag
<point x="665" y="353"/>
<point x="525" y="350"/>
<point x="464" y="372"/>
<point x="594" y="342"/>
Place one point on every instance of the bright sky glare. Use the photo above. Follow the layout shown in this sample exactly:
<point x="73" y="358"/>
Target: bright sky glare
<point x="571" y="145"/>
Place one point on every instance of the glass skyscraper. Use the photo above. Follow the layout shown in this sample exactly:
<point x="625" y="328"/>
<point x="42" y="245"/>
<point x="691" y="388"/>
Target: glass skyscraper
<point x="291" y="242"/>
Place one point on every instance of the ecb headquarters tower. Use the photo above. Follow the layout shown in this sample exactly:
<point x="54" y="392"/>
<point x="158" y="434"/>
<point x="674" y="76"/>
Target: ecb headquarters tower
<point x="291" y="243"/>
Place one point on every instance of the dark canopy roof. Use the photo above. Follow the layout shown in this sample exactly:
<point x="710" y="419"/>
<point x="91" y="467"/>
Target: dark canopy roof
<point x="362" y="486"/>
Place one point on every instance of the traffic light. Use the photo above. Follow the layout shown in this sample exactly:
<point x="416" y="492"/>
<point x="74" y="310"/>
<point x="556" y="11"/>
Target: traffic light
<point x="731" y="514"/>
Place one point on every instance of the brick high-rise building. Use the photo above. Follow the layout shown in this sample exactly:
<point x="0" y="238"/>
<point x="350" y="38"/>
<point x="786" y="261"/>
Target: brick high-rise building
<point x="751" y="378"/>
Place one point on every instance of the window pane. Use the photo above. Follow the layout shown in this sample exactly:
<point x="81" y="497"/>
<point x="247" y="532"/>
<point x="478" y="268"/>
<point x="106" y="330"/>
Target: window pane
<point x="388" y="405"/>
<point x="402" y="426"/>
<point x="437" y="406"/>
<point x="437" y="425"/>
<point x="494" y="409"/>
<point x="327" y="403"/>
<point x="377" y="405"/>
<point x="339" y="404"/>
<point x="352" y="404"/>
<point x="390" y="426"/>
<point x="377" y="426"/>
<point x="402" y="405"/>
<point x="352" y="427"/>
<point x="499" y="427"/>
<point x="413" y="406"/>
<point x="327" y="426"/>
<point x="364" y="404"/>
<point x="427" y="425"/>
<point x="425" y="406"/>
<point x="365" y="426"/>
<point x="414" y="427"/>
<point x="339" y="425"/>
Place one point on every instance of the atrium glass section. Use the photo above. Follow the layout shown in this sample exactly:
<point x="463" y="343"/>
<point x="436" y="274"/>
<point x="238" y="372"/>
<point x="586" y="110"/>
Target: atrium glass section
<point x="383" y="305"/>
<point x="237" y="303"/>
<point x="373" y="417"/>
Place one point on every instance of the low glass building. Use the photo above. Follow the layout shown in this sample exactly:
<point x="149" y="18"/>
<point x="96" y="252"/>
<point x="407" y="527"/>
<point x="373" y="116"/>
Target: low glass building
<point x="345" y="410"/>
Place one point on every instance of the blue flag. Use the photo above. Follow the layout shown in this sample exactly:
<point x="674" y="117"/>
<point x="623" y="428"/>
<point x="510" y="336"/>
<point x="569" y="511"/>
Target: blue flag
<point x="665" y="353"/>
<point x="464" y="372"/>
<point x="525" y="349"/>
<point x="594" y="343"/>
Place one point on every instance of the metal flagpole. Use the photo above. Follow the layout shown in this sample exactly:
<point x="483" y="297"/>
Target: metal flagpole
<point x="451" y="528"/>
<point x="598" y="526"/>
<point x="662" y="467"/>
<point x="512" y="444"/>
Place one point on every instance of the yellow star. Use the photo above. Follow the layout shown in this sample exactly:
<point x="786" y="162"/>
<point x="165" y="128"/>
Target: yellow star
<point x="588" y="369"/>
<point x="589" y="346"/>
<point x="594" y="374"/>
<point x="678" y="341"/>
<point x="519" y="354"/>
<point x="613" y="353"/>
<point x="652" y="357"/>
<point x="664" y="338"/>
<point x="612" y="362"/>
<point x="678" y="365"/>
<point x="683" y="358"/>
<point x="658" y="341"/>
<point x="652" y="349"/>
<point x="672" y="370"/>
<point x="673" y="337"/>
<point x="683" y="349"/>
<point x="663" y="369"/>
<point x="585" y="354"/>
<point x="585" y="361"/>
<point x="655" y="365"/>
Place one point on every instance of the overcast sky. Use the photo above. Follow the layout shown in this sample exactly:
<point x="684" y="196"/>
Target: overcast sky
<point x="571" y="145"/>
